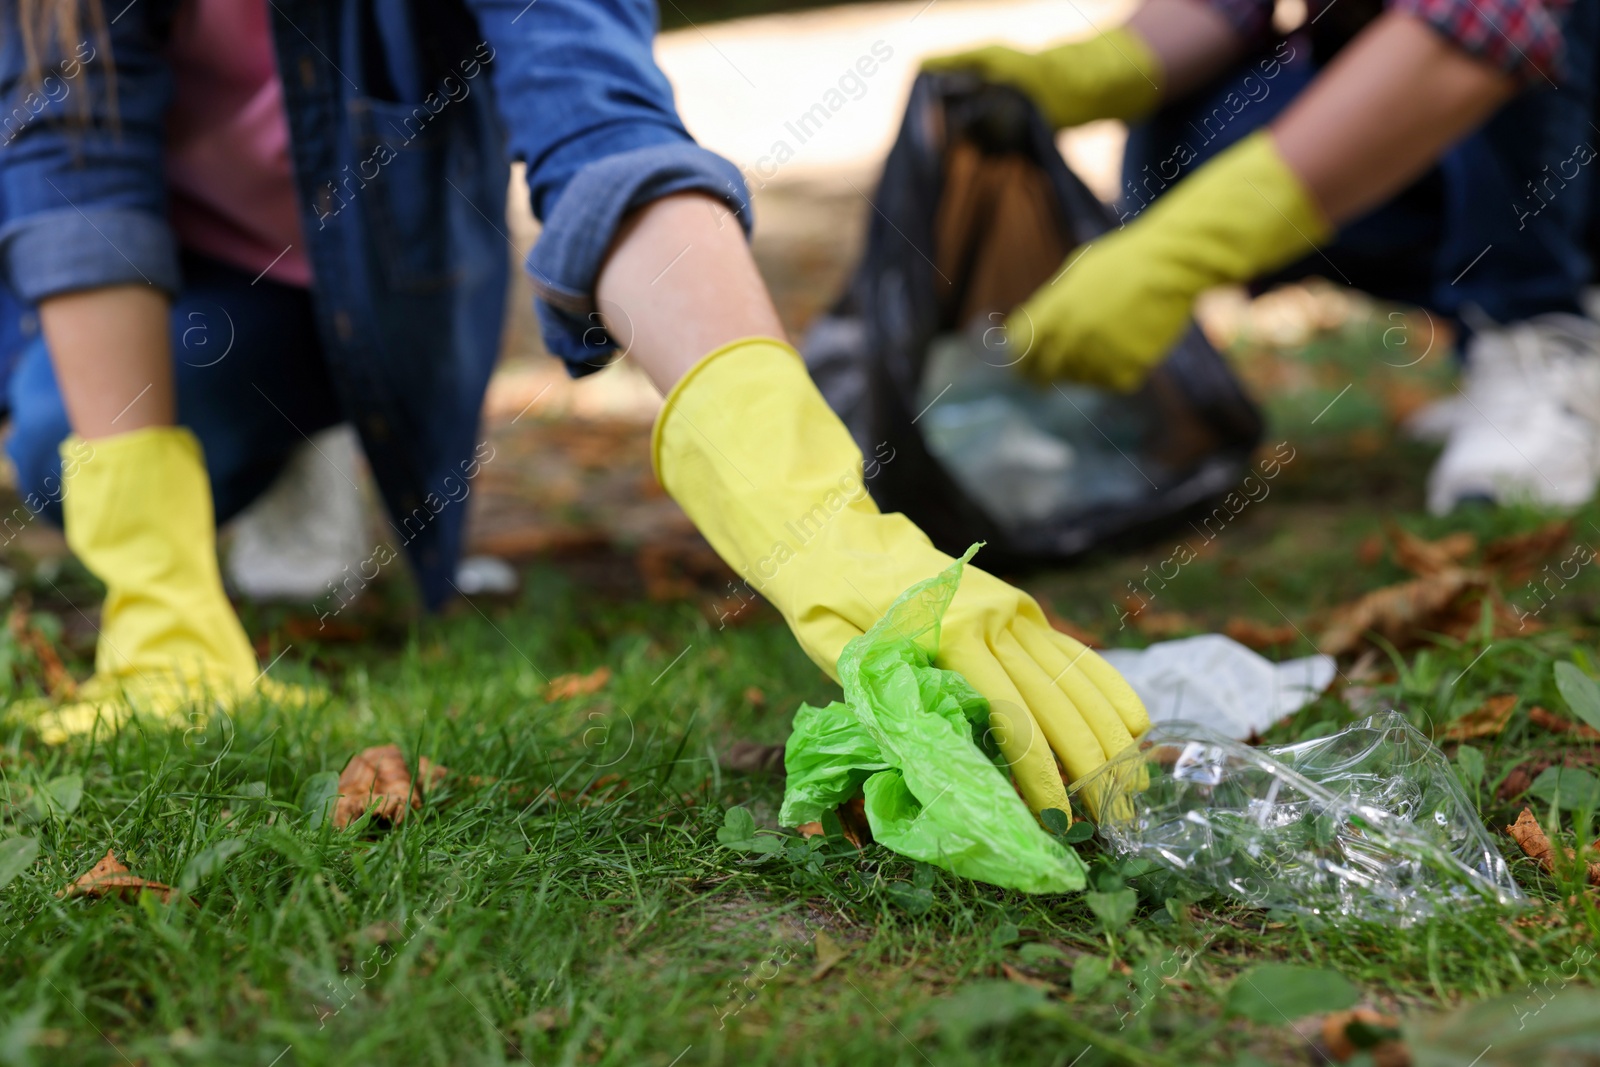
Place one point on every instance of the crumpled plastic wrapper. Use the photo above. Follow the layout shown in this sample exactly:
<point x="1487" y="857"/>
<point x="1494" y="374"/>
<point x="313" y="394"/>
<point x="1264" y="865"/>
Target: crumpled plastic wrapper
<point x="1367" y="823"/>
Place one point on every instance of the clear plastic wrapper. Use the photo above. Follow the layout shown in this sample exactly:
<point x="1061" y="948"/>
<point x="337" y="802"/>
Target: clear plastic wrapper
<point x="1367" y="823"/>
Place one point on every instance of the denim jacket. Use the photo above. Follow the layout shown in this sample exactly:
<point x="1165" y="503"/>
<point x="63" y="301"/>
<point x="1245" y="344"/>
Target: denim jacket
<point x="403" y="115"/>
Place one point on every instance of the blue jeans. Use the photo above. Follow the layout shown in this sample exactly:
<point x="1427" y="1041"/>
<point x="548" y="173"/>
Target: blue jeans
<point x="1502" y="222"/>
<point x="249" y="376"/>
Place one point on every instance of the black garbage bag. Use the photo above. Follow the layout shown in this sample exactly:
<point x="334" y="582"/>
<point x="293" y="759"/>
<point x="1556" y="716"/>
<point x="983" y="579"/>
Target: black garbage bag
<point x="975" y="210"/>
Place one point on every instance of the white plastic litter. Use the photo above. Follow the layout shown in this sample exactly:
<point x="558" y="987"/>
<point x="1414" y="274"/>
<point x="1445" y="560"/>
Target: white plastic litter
<point x="486" y="576"/>
<point x="1217" y="682"/>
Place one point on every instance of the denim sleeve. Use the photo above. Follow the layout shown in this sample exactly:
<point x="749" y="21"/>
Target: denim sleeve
<point x="586" y="108"/>
<point x="81" y="176"/>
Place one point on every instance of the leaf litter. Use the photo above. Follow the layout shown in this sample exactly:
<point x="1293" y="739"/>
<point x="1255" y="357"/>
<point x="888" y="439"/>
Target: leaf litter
<point x="1535" y="844"/>
<point x="378" y="779"/>
<point x="110" y="877"/>
<point x="1447" y="593"/>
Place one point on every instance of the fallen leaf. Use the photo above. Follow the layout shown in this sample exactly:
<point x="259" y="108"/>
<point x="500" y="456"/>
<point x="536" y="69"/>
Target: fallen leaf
<point x="1488" y="719"/>
<point x="1260" y="636"/>
<point x="1370" y="550"/>
<point x="1342" y="1029"/>
<point x="379" y="779"/>
<point x="1425" y="558"/>
<point x="750" y="757"/>
<point x="1023" y="978"/>
<point x="852" y="816"/>
<point x="1557" y="725"/>
<point x="1519" y="555"/>
<point x="829" y="953"/>
<point x="1401" y="613"/>
<point x="110" y="878"/>
<point x="1535" y="844"/>
<point x="57" y="681"/>
<point x="566" y="686"/>
<point x="1156" y="624"/>
<point x="853" y="819"/>
<point x="755" y="697"/>
<point x="1521" y="776"/>
<point x="1061" y="624"/>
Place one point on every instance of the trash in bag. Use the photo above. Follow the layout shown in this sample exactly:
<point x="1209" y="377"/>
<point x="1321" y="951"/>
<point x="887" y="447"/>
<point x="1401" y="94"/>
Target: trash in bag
<point x="1367" y="823"/>
<point x="975" y="210"/>
<point x="913" y="740"/>
<point x="1213" y="680"/>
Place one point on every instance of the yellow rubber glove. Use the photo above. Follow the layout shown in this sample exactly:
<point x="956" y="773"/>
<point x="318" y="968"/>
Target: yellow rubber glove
<point x="1112" y="76"/>
<point x="138" y="515"/>
<point x="752" y="452"/>
<point x="1119" y="305"/>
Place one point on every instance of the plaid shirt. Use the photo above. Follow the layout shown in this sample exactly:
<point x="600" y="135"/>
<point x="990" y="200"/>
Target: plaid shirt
<point x="1520" y="37"/>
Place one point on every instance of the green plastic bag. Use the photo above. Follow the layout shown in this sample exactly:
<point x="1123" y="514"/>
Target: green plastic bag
<point x="912" y="739"/>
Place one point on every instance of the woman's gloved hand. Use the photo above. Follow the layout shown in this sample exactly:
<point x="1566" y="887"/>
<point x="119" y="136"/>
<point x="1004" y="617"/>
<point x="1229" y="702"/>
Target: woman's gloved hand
<point x="139" y="516"/>
<point x="1119" y="305"/>
<point x="1112" y="76"/>
<point x="751" y="451"/>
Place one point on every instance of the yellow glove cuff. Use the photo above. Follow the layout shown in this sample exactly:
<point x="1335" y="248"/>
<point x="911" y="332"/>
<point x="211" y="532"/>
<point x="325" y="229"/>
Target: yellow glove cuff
<point x="671" y="403"/>
<point x="1246" y="208"/>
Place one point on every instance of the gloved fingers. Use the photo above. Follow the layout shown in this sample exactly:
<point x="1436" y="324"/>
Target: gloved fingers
<point x="1023" y="744"/>
<point x="1074" y="741"/>
<point x="1107" y="679"/>
<point x="1068" y="675"/>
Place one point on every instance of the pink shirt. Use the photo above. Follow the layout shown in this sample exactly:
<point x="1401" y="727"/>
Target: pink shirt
<point x="229" y="177"/>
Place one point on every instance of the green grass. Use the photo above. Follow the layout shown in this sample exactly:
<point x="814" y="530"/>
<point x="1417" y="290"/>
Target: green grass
<point x="562" y="898"/>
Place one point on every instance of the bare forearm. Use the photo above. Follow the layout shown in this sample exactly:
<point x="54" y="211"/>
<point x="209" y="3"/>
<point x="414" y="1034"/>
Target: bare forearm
<point x="1383" y="112"/>
<point x="680" y="282"/>
<point x="1192" y="39"/>
<point x="112" y="353"/>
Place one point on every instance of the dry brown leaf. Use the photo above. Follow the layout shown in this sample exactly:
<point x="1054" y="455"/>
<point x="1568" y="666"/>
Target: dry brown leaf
<point x="829" y="953"/>
<point x="566" y="686"/>
<point x="379" y="779"/>
<point x="1522" y="775"/>
<point x="1023" y="978"/>
<point x="1488" y="719"/>
<point x="1156" y="624"/>
<point x="1519" y="555"/>
<point x="1061" y="624"/>
<point x="1557" y="725"/>
<point x="1370" y="550"/>
<point x="1402" y="613"/>
<point x="1425" y="558"/>
<point x="751" y="757"/>
<point x="1535" y="844"/>
<point x="1336" y="1039"/>
<point x="110" y="878"/>
<point x="1259" y="635"/>
<point x="57" y="681"/>
<point x="852" y="820"/>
